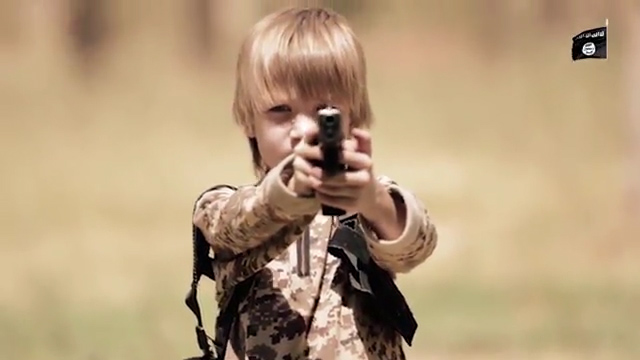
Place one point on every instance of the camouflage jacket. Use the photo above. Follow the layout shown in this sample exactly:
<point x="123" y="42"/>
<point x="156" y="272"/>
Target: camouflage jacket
<point x="253" y="232"/>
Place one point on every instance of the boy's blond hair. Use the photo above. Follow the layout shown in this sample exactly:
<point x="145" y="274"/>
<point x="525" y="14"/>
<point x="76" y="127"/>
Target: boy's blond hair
<point x="300" y="53"/>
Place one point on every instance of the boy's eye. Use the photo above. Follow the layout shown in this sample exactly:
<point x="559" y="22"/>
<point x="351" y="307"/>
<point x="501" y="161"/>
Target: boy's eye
<point x="280" y="109"/>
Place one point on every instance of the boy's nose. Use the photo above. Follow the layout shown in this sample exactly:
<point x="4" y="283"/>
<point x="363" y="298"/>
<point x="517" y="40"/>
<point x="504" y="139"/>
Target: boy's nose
<point x="303" y="127"/>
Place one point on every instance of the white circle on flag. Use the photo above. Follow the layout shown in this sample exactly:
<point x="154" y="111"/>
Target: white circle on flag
<point x="589" y="49"/>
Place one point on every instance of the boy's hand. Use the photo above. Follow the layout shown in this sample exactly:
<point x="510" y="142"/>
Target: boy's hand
<point x="356" y="190"/>
<point x="301" y="137"/>
<point x="353" y="190"/>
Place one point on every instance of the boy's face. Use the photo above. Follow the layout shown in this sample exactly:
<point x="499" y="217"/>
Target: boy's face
<point x="279" y="126"/>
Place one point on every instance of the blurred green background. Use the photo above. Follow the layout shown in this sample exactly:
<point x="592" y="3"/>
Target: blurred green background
<point x="116" y="114"/>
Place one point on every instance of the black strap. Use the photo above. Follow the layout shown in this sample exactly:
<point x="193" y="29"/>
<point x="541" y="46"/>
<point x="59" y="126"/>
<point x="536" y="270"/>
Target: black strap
<point x="202" y="265"/>
<point x="369" y="279"/>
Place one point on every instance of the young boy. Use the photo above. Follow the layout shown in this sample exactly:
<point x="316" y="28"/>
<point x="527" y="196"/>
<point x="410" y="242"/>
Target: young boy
<point x="293" y="63"/>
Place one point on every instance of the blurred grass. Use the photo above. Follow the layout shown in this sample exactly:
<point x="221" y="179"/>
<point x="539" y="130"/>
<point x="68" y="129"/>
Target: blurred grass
<point x="520" y="160"/>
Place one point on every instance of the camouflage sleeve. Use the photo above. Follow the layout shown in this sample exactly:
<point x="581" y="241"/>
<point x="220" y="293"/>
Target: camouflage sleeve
<point x="415" y="244"/>
<point x="236" y="221"/>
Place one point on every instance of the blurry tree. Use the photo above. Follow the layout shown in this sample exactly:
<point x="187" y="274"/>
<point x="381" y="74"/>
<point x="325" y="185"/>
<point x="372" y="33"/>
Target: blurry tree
<point x="88" y="28"/>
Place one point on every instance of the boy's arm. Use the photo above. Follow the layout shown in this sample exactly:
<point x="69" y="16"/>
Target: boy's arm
<point x="417" y="240"/>
<point x="236" y="221"/>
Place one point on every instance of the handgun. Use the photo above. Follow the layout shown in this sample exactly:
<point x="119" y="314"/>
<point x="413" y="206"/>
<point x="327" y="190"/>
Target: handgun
<point x="330" y="137"/>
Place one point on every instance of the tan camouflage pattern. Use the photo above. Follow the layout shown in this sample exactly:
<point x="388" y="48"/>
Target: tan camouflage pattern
<point x="285" y="316"/>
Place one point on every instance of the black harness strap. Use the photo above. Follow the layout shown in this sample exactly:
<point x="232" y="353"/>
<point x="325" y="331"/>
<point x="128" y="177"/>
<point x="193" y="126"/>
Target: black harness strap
<point x="371" y="280"/>
<point x="202" y="265"/>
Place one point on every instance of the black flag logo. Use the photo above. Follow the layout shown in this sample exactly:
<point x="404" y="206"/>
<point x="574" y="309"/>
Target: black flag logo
<point x="590" y="44"/>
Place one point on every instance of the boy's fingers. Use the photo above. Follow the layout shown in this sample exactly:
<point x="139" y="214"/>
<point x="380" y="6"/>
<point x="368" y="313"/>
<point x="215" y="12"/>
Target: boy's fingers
<point x="337" y="191"/>
<point x="308" y="152"/>
<point x="364" y="140"/>
<point x="357" y="178"/>
<point x="301" y="165"/>
<point x="305" y="182"/>
<point x="356" y="160"/>
<point x="350" y="145"/>
<point x="306" y="168"/>
<point x="303" y="173"/>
